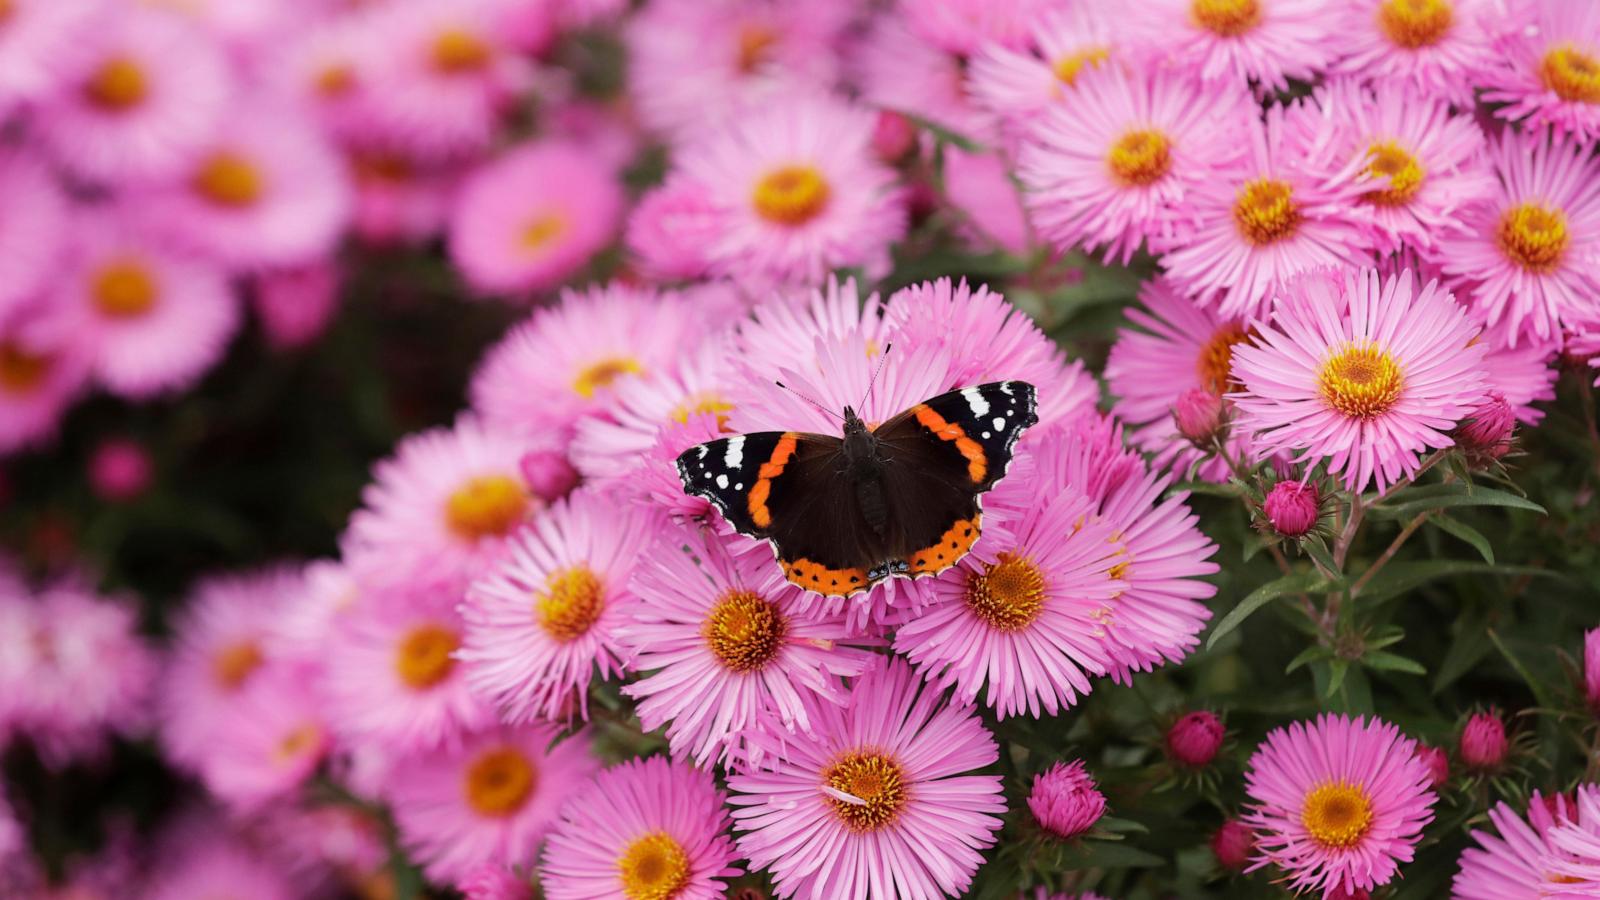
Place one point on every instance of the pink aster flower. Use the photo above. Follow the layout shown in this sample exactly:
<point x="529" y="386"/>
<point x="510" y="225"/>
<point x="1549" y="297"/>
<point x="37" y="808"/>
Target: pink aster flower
<point x="797" y="190"/>
<point x="211" y="861"/>
<point x="120" y="469"/>
<point x="1338" y="803"/>
<point x="38" y="36"/>
<point x="543" y="620"/>
<point x="400" y="202"/>
<point x="1575" y="845"/>
<point x="1545" y="72"/>
<point x="642" y="828"/>
<point x="1019" y="83"/>
<point x="728" y="656"/>
<point x="962" y="26"/>
<point x="1369" y="374"/>
<point x="1525" y="259"/>
<point x="1514" y="861"/>
<point x="1421" y="165"/>
<point x="1065" y="801"/>
<point x="32" y="235"/>
<point x="148" y="317"/>
<point x="561" y="363"/>
<point x="266" y="191"/>
<point x="493" y="882"/>
<point x="1524" y="375"/>
<point x="1117" y="159"/>
<point x="271" y="737"/>
<point x="533" y="217"/>
<point x="42" y="370"/>
<point x="440" y="508"/>
<point x="879" y="795"/>
<point x="1180" y="347"/>
<point x="1271" y="216"/>
<point x="1266" y="41"/>
<point x="902" y="71"/>
<point x="392" y="679"/>
<point x="151" y="90"/>
<point x="1439" y="48"/>
<point x="783" y="332"/>
<point x="490" y="800"/>
<point x="670" y="228"/>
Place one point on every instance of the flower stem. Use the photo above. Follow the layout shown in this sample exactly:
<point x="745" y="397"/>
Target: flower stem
<point x="1389" y="552"/>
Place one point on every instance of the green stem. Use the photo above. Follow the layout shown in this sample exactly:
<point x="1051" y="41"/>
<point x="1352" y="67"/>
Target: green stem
<point x="1389" y="552"/>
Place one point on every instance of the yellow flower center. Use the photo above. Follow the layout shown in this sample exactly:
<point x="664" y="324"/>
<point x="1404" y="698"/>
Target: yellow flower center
<point x="1361" y="381"/>
<point x="871" y="778"/>
<point x="486" y="506"/>
<point x="1228" y="18"/>
<point x="1068" y="67"/>
<point x="703" y="402"/>
<point x="124" y="289"/>
<point x="22" y="370"/>
<point x="235" y="663"/>
<point x="1139" y="158"/>
<point x="117" y="85"/>
<point x="1266" y="212"/>
<point x="543" y="231"/>
<point x="1337" y="814"/>
<point x="654" y="867"/>
<point x="1415" y="23"/>
<point x="1387" y="160"/>
<point x="1534" y="236"/>
<point x="300" y="741"/>
<point x="457" y="51"/>
<point x="1008" y="595"/>
<point x="571" y="603"/>
<point x="5" y="10"/>
<point x="423" y="658"/>
<point x="602" y="373"/>
<point x="500" y="781"/>
<point x="335" y="80"/>
<point x="1215" y="363"/>
<point x="1573" y="74"/>
<point x="755" y="46"/>
<point x="792" y="195"/>
<point x="745" y="631"/>
<point x="229" y="179"/>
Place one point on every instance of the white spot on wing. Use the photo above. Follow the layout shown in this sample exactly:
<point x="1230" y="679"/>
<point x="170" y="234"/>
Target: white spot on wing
<point x="722" y="481"/>
<point x="1005" y="388"/>
<point x="987" y="435"/>
<point x="999" y="423"/>
<point x="703" y="451"/>
<point x="734" y="458"/>
<point x="976" y="401"/>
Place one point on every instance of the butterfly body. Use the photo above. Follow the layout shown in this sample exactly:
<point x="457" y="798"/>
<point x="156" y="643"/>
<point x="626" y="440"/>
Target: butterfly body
<point x="845" y="512"/>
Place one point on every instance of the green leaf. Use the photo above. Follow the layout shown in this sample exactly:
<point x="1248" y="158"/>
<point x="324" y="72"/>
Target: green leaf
<point x="1299" y="583"/>
<point x="1444" y="496"/>
<point x="1209" y="488"/>
<point x="1390" y="662"/>
<point x="1105" y="855"/>
<point x="1337" y="670"/>
<point x="1317" y="549"/>
<point x="1400" y="577"/>
<point x="1534" y="684"/>
<point x="1467" y="647"/>
<point x="1309" y="654"/>
<point x="1467" y="533"/>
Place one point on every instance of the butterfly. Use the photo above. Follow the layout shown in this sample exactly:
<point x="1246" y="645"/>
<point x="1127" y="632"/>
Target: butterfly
<point x="844" y="513"/>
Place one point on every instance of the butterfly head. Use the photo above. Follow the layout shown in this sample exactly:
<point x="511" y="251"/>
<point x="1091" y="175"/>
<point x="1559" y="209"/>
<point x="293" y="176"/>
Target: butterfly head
<point x="853" y="423"/>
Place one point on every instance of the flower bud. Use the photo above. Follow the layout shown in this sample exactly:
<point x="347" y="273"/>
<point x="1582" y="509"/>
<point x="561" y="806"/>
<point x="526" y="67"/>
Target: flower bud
<point x="1340" y="892"/>
<point x="1483" y="742"/>
<point x="119" y="470"/>
<point x="1199" y="416"/>
<point x="1438" y="763"/>
<point x="1193" y="740"/>
<point x="1486" y="433"/>
<point x="295" y="306"/>
<point x="490" y="881"/>
<point x="1065" y="801"/>
<point x="548" y="473"/>
<point x="1591" y="668"/>
<point x="893" y="136"/>
<point x="1292" y="508"/>
<point x="1232" y="845"/>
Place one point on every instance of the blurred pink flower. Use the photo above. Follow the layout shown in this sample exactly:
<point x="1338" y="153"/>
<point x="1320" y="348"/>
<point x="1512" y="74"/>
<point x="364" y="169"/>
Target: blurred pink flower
<point x="120" y="469"/>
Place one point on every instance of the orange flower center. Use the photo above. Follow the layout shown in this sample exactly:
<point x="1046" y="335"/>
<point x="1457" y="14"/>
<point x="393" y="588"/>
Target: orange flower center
<point x="423" y="658"/>
<point x="543" y="231"/>
<point x="1361" y="381"/>
<point x="1215" y="363"/>
<point x="229" y="179"/>
<point x="1337" y="814"/>
<point x="1534" y="236"/>
<point x="335" y="80"/>
<point x="1008" y="595"/>
<point x="500" y="781"/>
<point x="755" y="46"/>
<point x="486" y="506"/>
<point x="1265" y="211"/>
<point x="1415" y="23"/>
<point x="22" y="370"/>
<point x="791" y="195"/>
<point x="654" y="867"/>
<point x="306" y="739"/>
<point x="1227" y="18"/>
<point x="570" y="604"/>
<point x="1388" y="161"/>
<point x="124" y="289"/>
<point x="235" y="663"/>
<point x="875" y="783"/>
<point x="1574" y="75"/>
<point x="117" y="85"/>
<point x="745" y="631"/>
<point x="1139" y="158"/>
<point x="457" y="51"/>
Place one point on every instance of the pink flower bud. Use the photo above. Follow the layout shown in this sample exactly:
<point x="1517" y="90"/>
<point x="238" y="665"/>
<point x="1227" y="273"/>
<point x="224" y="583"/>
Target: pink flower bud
<point x="1591" y="668"/>
<point x="1483" y="742"/>
<point x="296" y="305"/>
<point x="119" y="470"/>
<point x="1340" y="892"/>
<point x="1486" y="433"/>
<point x="1199" y="416"/>
<point x="1438" y="763"/>
<point x="1065" y="801"/>
<point x="1193" y="740"/>
<point x="1292" y="508"/>
<point x="548" y="473"/>
<point x="1232" y="845"/>
<point x="893" y="136"/>
<point x="490" y="881"/>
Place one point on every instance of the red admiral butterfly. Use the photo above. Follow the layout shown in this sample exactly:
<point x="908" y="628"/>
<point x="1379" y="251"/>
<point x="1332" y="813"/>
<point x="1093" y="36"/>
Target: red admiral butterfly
<point x="904" y="498"/>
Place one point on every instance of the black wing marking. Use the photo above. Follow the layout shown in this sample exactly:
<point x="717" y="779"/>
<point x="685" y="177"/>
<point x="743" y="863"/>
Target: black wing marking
<point x="725" y="471"/>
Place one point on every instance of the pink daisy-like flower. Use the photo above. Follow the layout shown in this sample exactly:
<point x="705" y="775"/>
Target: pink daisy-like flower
<point x="532" y="218"/>
<point x="797" y="191"/>
<point x="729" y="656"/>
<point x="1575" y="847"/>
<point x="543" y="620"/>
<point x="1525" y="258"/>
<point x="268" y="741"/>
<point x="783" y="332"/>
<point x="490" y="800"/>
<point x="962" y="26"/>
<point x="1545" y="68"/>
<point x="1368" y="373"/>
<point x="150" y="93"/>
<point x="392" y="678"/>
<point x="42" y="370"/>
<point x="561" y="363"/>
<point x="1338" y="803"/>
<point x="1181" y="347"/>
<point x="1271" y="216"/>
<point x="1266" y="41"/>
<point x="491" y="881"/>
<point x="901" y="71"/>
<point x="1421" y="165"/>
<point x="670" y="228"/>
<point x="1514" y="861"/>
<point x="439" y="509"/>
<point x="149" y="319"/>
<point x="33" y="233"/>
<point x="1439" y="48"/>
<point x="211" y="861"/>
<point x="1020" y="612"/>
<point x="266" y="191"/>
<point x="1017" y="85"/>
<point x="1114" y="162"/>
<point x="878" y="802"/>
<point x="643" y="828"/>
<point x="38" y="36"/>
<point x="1524" y="375"/>
<point x="399" y="202"/>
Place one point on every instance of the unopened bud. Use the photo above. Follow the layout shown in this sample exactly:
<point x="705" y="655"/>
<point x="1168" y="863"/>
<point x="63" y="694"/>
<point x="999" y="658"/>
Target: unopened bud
<point x="1199" y="416"/>
<point x="1292" y="508"/>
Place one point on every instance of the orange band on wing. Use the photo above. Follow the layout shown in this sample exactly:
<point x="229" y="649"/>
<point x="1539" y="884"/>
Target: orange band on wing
<point x="977" y="464"/>
<point x="817" y="577"/>
<point x="948" y="550"/>
<point x="772" y="468"/>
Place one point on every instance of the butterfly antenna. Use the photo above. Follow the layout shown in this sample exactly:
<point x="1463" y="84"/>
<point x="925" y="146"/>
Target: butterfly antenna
<point x="874" y="379"/>
<point x="809" y="400"/>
